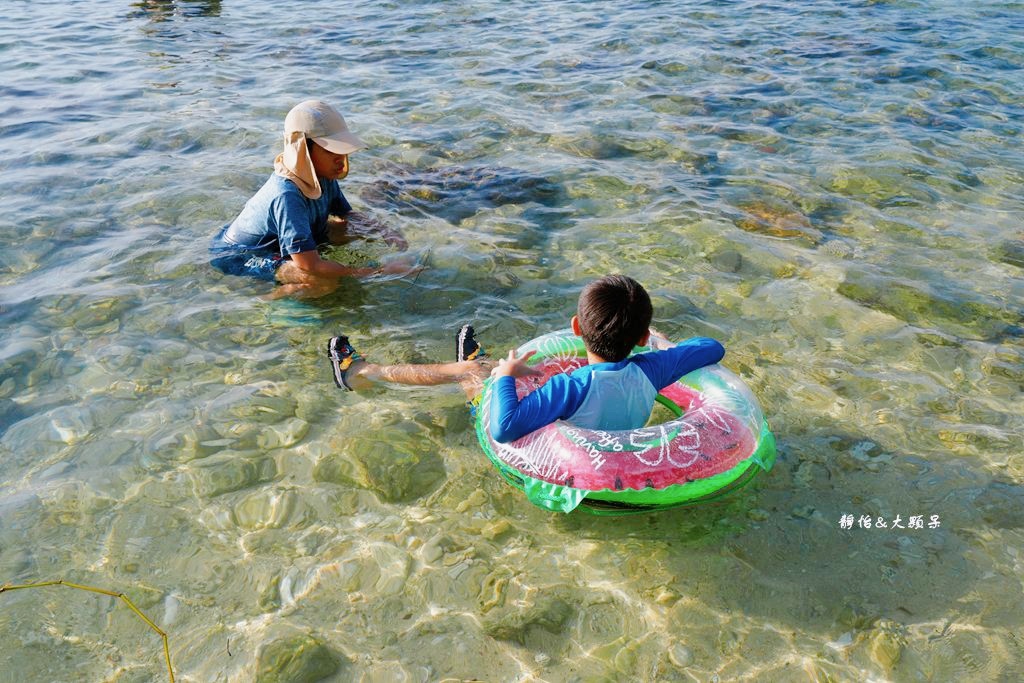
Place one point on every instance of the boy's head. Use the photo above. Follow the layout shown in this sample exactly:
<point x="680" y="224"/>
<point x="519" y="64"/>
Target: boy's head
<point x="320" y="122"/>
<point x="613" y="315"/>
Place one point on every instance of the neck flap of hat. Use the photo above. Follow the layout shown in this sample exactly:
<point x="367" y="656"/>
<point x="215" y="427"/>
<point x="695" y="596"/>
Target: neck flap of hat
<point x="295" y="164"/>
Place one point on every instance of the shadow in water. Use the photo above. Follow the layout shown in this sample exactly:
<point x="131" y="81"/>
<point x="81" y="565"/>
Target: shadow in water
<point x="455" y="193"/>
<point x="165" y="10"/>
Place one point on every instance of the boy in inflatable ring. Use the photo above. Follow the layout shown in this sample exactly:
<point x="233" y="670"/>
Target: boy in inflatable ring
<point x="614" y="391"/>
<point x="300" y="208"/>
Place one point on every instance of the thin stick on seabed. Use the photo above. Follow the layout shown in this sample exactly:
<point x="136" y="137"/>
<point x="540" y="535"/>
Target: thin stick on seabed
<point x="103" y="591"/>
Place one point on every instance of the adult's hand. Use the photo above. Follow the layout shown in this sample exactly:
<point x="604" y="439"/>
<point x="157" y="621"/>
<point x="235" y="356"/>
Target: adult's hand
<point x="401" y="266"/>
<point x="312" y="264"/>
<point x="393" y="238"/>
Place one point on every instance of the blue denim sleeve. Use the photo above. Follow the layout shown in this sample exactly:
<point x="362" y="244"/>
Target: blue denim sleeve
<point x="294" y="228"/>
<point x="512" y="418"/>
<point x="340" y="205"/>
<point x="665" y="367"/>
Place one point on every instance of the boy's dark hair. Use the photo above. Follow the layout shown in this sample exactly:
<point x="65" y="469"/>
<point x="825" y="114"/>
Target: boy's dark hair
<point x="614" y="313"/>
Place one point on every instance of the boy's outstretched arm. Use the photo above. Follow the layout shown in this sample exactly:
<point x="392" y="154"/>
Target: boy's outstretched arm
<point x="666" y="366"/>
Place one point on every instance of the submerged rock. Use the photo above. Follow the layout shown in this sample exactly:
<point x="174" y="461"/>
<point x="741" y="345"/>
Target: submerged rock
<point x="1012" y="252"/>
<point x="399" y="475"/>
<point x="10" y="413"/>
<point x="184" y="443"/>
<point x="1005" y="363"/>
<point x="264" y="409"/>
<point x="932" y="305"/>
<point x="71" y="424"/>
<point x="229" y="471"/>
<point x="283" y="435"/>
<point x="101" y="316"/>
<point x="397" y="466"/>
<point x="680" y="655"/>
<point x="777" y="219"/>
<point x="886" y="643"/>
<point x="837" y="248"/>
<point x="879" y="185"/>
<point x="727" y="260"/>
<point x="548" y="612"/>
<point x="266" y="509"/>
<point x="336" y="469"/>
<point x="1000" y="505"/>
<point x="18" y="359"/>
<point x="299" y="659"/>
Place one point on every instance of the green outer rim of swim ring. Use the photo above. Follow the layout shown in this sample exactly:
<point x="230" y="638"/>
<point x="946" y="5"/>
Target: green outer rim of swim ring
<point x="631" y="501"/>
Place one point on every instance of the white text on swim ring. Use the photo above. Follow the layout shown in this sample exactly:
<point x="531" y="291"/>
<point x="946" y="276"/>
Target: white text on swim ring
<point x="596" y="457"/>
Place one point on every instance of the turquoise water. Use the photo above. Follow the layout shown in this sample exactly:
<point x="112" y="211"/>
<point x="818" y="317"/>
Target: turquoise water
<point x="833" y="189"/>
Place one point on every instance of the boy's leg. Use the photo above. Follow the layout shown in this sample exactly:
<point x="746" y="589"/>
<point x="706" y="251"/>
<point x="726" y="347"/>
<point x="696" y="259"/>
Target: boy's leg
<point x="424" y="375"/>
<point x="351" y="371"/>
<point x="474" y="387"/>
<point x="467" y="348"/>
<point x="466" y="345"/>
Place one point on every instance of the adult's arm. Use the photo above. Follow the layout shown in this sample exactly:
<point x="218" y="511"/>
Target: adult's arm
<point x="311" y="263"/>
<point x="296" y="238"/>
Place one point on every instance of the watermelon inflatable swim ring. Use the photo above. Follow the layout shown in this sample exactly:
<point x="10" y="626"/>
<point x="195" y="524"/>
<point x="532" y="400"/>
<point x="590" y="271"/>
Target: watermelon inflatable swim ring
<point x="714" y="441"/>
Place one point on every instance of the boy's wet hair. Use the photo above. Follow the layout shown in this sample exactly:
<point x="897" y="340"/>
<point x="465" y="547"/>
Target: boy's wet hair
<point x="614" y="313"/>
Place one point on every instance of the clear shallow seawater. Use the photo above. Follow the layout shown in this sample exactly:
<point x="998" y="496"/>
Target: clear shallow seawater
<point x="833" y="189"/>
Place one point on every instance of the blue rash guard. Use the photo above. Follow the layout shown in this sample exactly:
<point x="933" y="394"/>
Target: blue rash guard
<point x="608" y="396"/>
<point x="275" y="223"/>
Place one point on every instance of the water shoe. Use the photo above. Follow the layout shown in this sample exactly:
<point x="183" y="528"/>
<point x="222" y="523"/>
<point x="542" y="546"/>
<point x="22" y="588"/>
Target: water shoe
<point x="341" y="354"/>
<point x="466" y="347"/>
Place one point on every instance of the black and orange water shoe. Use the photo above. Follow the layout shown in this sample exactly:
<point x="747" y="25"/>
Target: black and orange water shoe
<point x="466" y="347"/>
<point x="341" y="354"/>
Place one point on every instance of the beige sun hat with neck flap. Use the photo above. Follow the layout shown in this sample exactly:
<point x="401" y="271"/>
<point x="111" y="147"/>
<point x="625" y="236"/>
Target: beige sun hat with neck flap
<point x="320" y="122"/>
